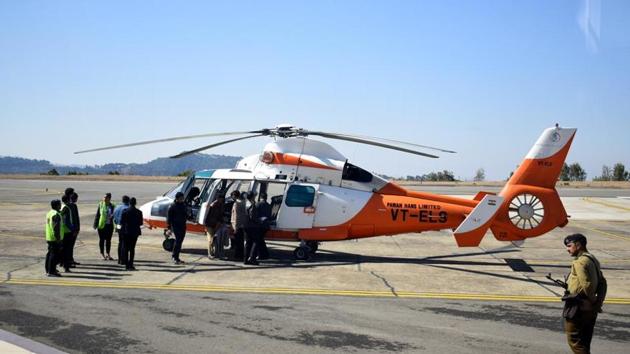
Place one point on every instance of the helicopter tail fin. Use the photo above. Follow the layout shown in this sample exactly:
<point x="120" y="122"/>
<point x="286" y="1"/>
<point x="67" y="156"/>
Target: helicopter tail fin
<point x="528" y="205"/>
<point x="532" y="205"/>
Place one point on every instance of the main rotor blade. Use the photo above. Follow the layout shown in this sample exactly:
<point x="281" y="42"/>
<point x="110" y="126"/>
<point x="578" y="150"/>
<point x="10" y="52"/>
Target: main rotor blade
<point x="369" y="142"/>
<point x="186" y="153"/>
<point x="397" y="142"/>
<point x="172" y="139"/>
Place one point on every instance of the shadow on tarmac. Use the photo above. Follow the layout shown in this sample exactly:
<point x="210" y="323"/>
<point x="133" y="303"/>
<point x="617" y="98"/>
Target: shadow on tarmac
<point x="283" y="258"/>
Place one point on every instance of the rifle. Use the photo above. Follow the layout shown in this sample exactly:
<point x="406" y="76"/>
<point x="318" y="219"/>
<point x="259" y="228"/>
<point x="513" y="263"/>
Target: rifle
<point x="558" y="282"/>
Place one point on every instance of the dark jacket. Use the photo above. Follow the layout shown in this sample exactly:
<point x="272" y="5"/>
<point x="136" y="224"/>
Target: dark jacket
<point x="264" y="213"/>
<point x="253" y="221"/>
<point x="264" y="209"/>
<point x="176" y="216"/>
<point x="215" y="214"/>
<point x="130" y="222"/>
<point x="74" y="209"/>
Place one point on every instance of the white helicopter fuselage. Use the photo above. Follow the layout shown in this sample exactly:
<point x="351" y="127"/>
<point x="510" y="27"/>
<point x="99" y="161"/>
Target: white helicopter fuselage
<point x="309" y="184"/>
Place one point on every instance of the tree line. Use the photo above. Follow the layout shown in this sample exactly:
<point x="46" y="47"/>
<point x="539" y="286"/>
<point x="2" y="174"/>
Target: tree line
<point x="569" y="172"/>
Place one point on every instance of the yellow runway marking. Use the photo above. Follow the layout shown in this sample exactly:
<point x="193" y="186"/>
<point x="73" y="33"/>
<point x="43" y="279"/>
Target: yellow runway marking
<point x="610" y="205"/>
<point x="290" y="291"/>
<point x="602" y="232"/>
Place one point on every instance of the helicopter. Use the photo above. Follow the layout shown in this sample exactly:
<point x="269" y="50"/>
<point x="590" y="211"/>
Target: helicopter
<point x="317" y="195"/>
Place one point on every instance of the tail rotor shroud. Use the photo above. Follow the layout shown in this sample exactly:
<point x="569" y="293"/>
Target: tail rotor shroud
<point x="526" y="211"/>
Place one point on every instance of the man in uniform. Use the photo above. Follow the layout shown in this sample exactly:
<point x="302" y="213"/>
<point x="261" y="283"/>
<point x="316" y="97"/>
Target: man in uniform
<point x="213" y="222"/>
<point x="583" y="282"/>
<point x="54" y="236"/>
<point x="176" y="222"/>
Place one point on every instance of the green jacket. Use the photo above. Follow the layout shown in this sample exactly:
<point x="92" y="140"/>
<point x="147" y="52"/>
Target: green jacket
<point x="54" y="225"/>
<point x="102" y="214"/>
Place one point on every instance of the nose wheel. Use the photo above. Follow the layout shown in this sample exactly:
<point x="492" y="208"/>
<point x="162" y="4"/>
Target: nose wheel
<point x="168" y="242"/>
<point x="306" y="250"/>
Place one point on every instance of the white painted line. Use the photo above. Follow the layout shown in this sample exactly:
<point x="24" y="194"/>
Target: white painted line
<point x="12" y="343"/>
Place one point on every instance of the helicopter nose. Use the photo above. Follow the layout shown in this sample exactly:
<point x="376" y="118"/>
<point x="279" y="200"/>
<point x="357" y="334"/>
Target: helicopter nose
<point x="146" y="209"/>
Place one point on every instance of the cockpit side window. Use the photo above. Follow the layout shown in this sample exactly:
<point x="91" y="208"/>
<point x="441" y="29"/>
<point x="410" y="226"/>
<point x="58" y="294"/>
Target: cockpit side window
<point x="300" y="196"/>
<point x="355" y="173"/>
<point x="172" y="192"/>
<point x="211" y="191"/>
<point x="195" y="190"/>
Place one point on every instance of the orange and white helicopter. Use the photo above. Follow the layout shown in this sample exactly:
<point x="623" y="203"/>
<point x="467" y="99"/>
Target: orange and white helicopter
<point x="317" y="195"/>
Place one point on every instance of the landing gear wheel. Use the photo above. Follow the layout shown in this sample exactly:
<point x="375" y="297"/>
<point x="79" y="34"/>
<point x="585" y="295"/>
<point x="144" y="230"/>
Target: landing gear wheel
<point x="168" y="244"/>
<point x="312" y="245"/>
<point x="301" y="253"/>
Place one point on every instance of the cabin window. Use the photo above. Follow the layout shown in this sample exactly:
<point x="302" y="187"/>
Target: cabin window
<point x="300" y="196"/>
<point x="355" y="173"/>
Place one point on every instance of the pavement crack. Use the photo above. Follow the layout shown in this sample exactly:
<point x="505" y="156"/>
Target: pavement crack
<point x="391" y="288"/>
<point x="396" y="243"/>
<point x="9" y="275"/>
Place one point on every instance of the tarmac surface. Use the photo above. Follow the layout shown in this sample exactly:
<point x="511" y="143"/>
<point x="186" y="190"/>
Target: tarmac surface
<point x="409" y="293"/>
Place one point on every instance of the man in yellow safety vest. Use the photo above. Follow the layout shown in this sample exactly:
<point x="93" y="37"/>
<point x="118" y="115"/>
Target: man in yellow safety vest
<point x="54" y="237"/>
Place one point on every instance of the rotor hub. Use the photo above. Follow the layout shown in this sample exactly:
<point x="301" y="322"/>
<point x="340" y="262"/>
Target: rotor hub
<point x="526" y="211"/>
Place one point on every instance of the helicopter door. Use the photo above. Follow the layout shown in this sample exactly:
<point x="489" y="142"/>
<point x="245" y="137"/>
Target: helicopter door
<point x="298" y="208"/>
<point x="207" y="196"/>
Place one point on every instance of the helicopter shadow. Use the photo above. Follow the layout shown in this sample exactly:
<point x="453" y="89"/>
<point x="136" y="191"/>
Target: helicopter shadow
<point x="281" y="257"/>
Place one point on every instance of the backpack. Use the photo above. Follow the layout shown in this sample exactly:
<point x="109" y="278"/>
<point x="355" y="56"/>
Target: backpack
<point x="602" y="285"/>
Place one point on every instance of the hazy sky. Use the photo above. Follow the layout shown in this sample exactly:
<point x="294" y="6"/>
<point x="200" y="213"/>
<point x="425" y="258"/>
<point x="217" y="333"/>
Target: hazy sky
<point x="482" y="78"/>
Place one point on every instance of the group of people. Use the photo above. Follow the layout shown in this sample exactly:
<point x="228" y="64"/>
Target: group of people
<point x="243" y="227"/>
<point x="62" y="229"/>
<point x="63" y="225"/>
<point x="126" y="220"/>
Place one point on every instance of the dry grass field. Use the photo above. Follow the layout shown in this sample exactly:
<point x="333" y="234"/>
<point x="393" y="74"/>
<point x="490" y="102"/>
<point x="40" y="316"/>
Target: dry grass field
<point x="128" y="178"/>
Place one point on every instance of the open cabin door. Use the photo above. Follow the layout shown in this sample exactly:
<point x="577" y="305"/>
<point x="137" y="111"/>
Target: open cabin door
<point x="208" y="195"/>
<point x="298" y="207"/>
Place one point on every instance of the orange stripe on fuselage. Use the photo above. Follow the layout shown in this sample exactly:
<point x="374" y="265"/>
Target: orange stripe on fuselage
<point x="387" y="214"/>
<point x="190" y="227"/>
<point x="288" y="159"/>
<point x="280" y="235"/>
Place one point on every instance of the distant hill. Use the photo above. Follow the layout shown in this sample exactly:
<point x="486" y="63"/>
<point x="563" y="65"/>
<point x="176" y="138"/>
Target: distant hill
<point x="157" y="167"/>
